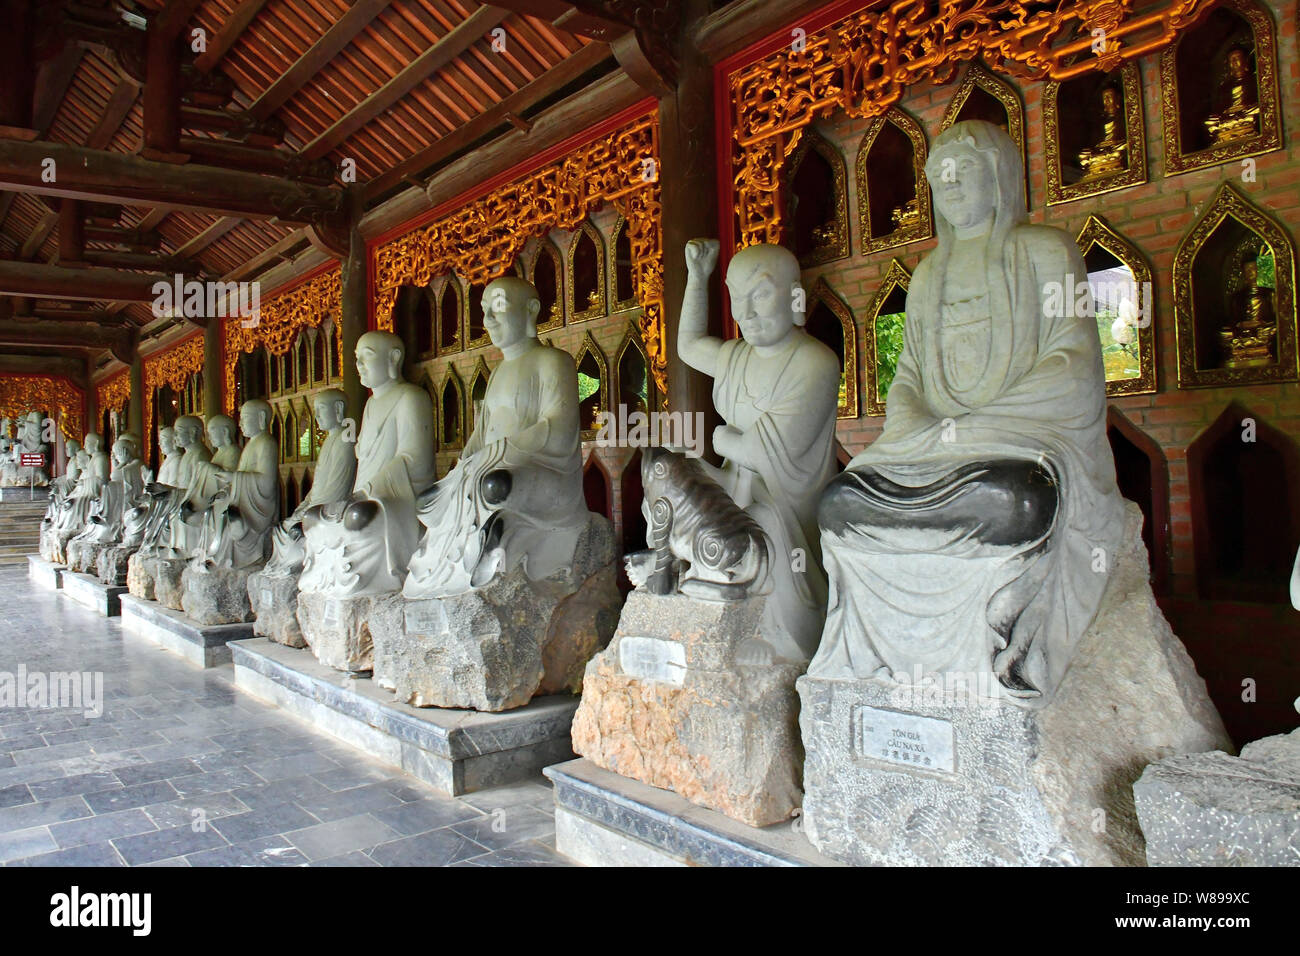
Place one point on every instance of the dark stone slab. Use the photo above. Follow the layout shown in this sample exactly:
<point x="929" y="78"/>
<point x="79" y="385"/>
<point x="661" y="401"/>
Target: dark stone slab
<point x="47" y="574"/>
<point x="204" y="646"/>
<point x="89" y="592"/>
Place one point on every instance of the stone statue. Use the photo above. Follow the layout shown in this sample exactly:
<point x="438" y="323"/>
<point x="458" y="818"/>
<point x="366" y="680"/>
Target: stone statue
<point x="362" y="546"/>
<point x="1240" y="117"/>
<point x="140" y="515"/>
<point x="1246" y="340"/>
<point x="185" y="530"/>
<point x="104" y="525"/>
<point x="966" y="537"/>
<point x="75" y="511"/>
<point x="336" y="470"/>
<point x="245" y="499"/>
<point x="29" y="442"/>
<point x="516" y="491"/>
<point x="1107" y="156"/>
<point x="60" y="488"/>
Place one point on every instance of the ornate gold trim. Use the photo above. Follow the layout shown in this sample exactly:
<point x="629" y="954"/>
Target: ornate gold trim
<point x="1058" y="191"/>
<point x="20" y="394"/>
<point x="864" y="62"/>
<point x="837" y="247"/>
<point x="172" y="367"/>
<point x="593" y="310"/>
<point x="896" y="276"/>
<point x="823" y="293"/>
<point x="459" y="293"/>
<point x="113" y="393"/>
<point x="1264" y="35"/>
<point x="924" y="228"/>
<point x="1229" y="203"/>
<point x="1096" y="231"/>
<point x="482" y="238"/>
<point x="616" y="304"/>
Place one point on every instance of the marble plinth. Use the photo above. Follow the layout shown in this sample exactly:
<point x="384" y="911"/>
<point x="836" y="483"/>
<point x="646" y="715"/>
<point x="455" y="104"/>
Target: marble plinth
<point x="47" y="574"/>
<point x="603" y="819"/>
<point x="456" y="751"/>
<point x="23" y="493"/>
<point x="1214" y="809"/>
<point x="683" y="699"/>
<point x="173" y="631"/>
<point x="89" y="592"/>
<point x="214" y="595"/>
<point x="274" y="599"/>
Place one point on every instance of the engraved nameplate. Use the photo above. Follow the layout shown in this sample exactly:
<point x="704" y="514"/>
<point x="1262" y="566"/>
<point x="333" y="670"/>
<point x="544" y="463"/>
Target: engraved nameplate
<point x="268" y="598"/>
<point x="425" y="617"/>
<point x="648" y="658"/>
<point x="925" y="742"/>
<point x="330" y="614"/>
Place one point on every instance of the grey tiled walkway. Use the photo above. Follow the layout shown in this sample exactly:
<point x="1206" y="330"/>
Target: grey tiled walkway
<point x="182" y="769"/>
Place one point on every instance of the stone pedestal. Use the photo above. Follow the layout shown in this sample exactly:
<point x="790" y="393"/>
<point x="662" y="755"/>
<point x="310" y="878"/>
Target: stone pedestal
<point x="456" y="751"/>
<point x="90" y="593"/>
<point x="1214" y="809"/>
<point x="50" y="547"/>
<point x="23" y="493"/>
<point x="44" y="573"/>
<point x="83" y="555"/>
<point x="212" y="595"/>
<point x="112" y="565"/>
<point x="274" y="598"/>
<point x="923" y="774"/>
<point x="173" y="631"/>
<point x="168" y="582"/>
<point x="672" y="702"/>
<point x="141" y="571"/>
<point x="337" y="631"/>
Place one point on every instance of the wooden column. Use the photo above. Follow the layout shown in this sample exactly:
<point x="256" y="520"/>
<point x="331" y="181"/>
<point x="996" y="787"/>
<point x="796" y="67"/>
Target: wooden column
<point x="688" y="190"/>
<point x="356" y="318"/>
<point x="135" y="406"/>
<point x="214" y="374"/>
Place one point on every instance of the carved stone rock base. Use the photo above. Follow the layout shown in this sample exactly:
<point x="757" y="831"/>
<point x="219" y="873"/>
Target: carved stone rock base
<point x="215" y="595"/>
<point x="168" y="584"/>
<point x="111" y="567"/>
<point x="274" y="598"/>
<point x="141" y="571"/>
<point x="336" y="629"/>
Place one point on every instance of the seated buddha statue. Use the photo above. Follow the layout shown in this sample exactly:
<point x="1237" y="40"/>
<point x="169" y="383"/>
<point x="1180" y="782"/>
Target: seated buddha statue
<point x="242" y="501"/>
<point x="136" y="517"/>
<point x="124" y="486"/>
<point x="1246" y="340"/>
<point x="1239" y="119"/>
<point x="972" y="537"/>
<point x="1107" y="156"/>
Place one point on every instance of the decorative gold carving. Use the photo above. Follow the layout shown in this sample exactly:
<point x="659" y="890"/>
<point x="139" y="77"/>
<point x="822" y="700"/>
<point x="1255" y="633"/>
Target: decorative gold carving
<point x="113" y="393"/>
<point x="839" y="309"/>
<point x="895" y="277"/>
<point x="20" y="394"/>
<point x="594" y="305"/>
<point x="832" y="236"/>
<point x="439" y="302"/>
<point x="172" y="367"/>
<point x="911" y="224"/>
<point x="863" y="63"/>
<point x="1134" y="146"/>
<point x="1096" y="231"/>
<point x="482" y="239"/>
<point x="1180" y="158"/>
<point x="618" y="305"/>
<point x="1230" y="204"/>
<point x="278" y="323"/>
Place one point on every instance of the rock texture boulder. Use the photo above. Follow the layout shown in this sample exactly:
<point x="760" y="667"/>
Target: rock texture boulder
<point x="274" y="598"/>
<point x="337" y="629"/>
<point x="141" y="573"/>
<point x="112" y="565"/>
<point x="168" y="582"/>
<point x="214" y="595"/>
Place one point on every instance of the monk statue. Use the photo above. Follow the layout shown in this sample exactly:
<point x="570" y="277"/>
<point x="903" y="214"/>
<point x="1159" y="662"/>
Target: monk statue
<point x="186" y="528"/>
<point x="336" y="470"/>
<point x="973" y="535"/>
<point x="776" y="389"/>
<point x="361" y="546"/>
<point x="246" y="499"/>
<point x="124" y="487"/>
<point x="60" y="488"/>
<point x="136" y="518"/>
<point x="13" y="473"/>
<point x="515" y="495"/>
<point x="75" y="511"/>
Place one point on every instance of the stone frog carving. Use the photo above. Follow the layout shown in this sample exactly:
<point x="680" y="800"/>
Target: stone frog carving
<point x="701" y="542"/>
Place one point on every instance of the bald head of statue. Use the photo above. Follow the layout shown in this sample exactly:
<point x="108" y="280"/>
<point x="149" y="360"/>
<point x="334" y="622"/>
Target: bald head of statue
<point x="510" y="309"/>
<point x="379" y="359"/>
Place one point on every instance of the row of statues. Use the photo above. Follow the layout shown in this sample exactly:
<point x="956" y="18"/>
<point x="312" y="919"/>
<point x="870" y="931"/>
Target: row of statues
<point x="29" y="440"/>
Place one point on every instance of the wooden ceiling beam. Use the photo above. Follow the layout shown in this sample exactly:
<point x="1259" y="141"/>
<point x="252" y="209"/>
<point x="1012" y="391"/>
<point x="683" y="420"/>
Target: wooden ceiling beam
<point x="231" y="30"/>
<point x="457" y="41"/>
<point x="114" y="115"/>
<point x="208" y="236"/>
<point x="38" y="235"/>
<point x="37" y="280"/>
<point x="45" y="362"/>
<point x="77" y="335"/>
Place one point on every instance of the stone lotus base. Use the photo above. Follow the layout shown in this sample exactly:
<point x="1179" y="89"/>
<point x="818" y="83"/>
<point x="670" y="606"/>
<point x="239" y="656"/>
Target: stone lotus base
<point x="112" y="566"/>
<point x="141" y="571"/>
<point x="90" y="593"/>
<point x="931" y="776"/>
<point x="456" y="751"/>
<point x="603" y="819"/>
<point x="1214" y="809"/>
<point x="23" y="493"/>
<point x="212" y="595"/>
<point x="274" y="598"/>
<point x="669" y="704"/>
<point x="169" y="583"/>
<point x="44" y="573"/>
<point x="337" y="629"/>
<point x="173" y="631"/>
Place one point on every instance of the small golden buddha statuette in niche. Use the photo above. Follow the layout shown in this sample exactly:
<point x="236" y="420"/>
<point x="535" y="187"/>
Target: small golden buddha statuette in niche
<point x="908" y="214"/>
<point x="1240" y="118"/>
<point x="1108" y="156"/>
<point x="1247" y="340"/>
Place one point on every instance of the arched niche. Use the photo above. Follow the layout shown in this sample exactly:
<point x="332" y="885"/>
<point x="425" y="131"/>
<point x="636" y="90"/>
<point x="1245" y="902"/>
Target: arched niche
<point x="450" y="312"/>
<point x="413" y="324"/>
<point x="1197" y="89"/>
<point x="476" y="334"/>
<point x="288" y="434"/>
<point x="478" y="383"/>
<point x="335" y="352"/>
<point x="319" y="362"/>
<point x="1214" y="295"/>
<point x="885" y="318"/>
<point x="593" y="384"/>
<point x="1244" y="477"/>
<point x="546" y="272"/>
<point x="451" y="412"/>
<point x="631" y="492"/>
<point x="302" y="362"/>
<point x="635" y="385"/>
<point x="586" y="273"/>
<point x="596" y="487"/>
<point x="1142" y="473"/>
<point x="304" y="486"/>
<point x="830" y="321"/>
<point x="893" y="196"/>
<point x="622" y="281"/>
<point x="816" y="201"/>
<point x="1123" y="297"/>
<point x="983" y="95"/>
<point x="1093" y="134"/>
<point x="277" y="430"/>
<point x="273" y="376"/>
<point x="304" y="440"/>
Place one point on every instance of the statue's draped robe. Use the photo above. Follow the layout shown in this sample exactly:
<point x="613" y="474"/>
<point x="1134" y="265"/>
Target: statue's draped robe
<point x="235" y="528"/>
<point x="76" y="507"/>
<point x="395" y="462"/>
<point x="158" y="529"/>
<point x="336" y="470"/>
<point x="186" y="532"/>
<point x="124" y="486"/>
<point x="528" y="426"/>
<point x="136" y="518"/>
<point x="788" y="421"/>
<point x="912" y="601"/>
